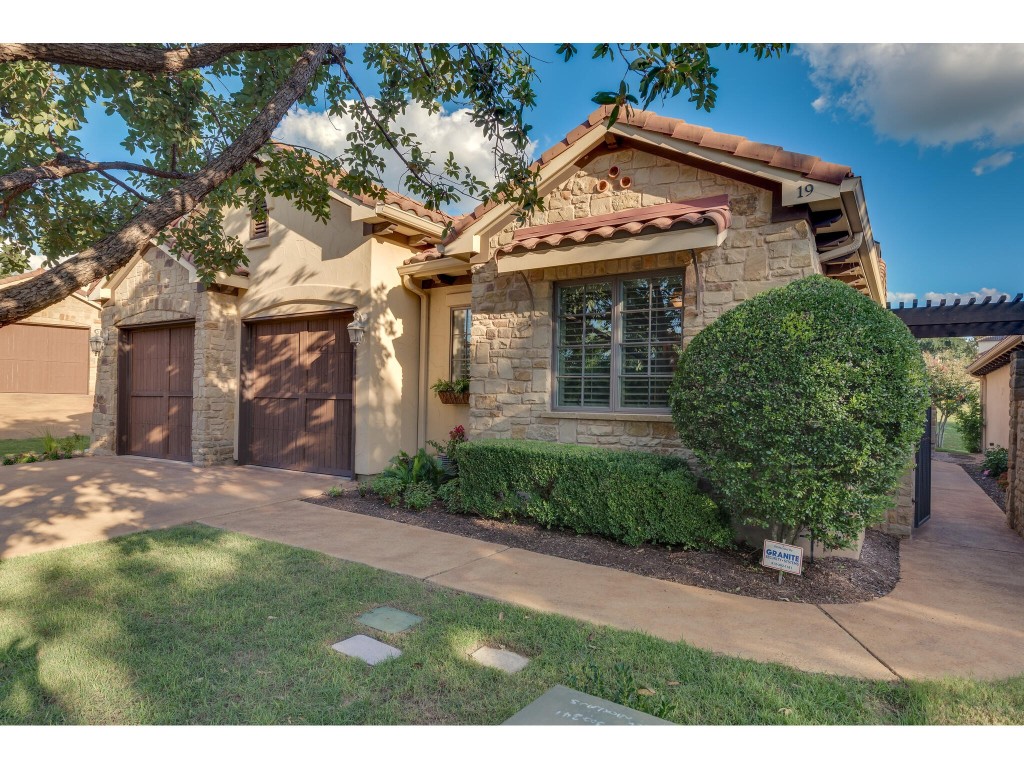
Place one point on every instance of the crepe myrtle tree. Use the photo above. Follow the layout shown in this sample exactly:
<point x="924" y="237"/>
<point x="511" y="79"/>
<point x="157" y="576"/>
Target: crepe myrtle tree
<point x="803" y="406"/>
<point x="197" y="122"/>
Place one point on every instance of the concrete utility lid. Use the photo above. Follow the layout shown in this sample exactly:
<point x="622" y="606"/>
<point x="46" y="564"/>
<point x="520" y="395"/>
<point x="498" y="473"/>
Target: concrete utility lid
<point x="564" y="706"/>
<point x="366" y="648"/>
<point x="388" y="619"/>
<point x="506" y="661"/>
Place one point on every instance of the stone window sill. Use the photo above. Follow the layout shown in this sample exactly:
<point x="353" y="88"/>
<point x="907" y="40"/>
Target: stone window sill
<point x="608" y="416"/>
<point x="260" y="242"/>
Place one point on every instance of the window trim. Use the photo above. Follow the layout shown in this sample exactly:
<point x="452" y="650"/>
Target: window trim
<point x="613" y="395"/>
<point x="451" y="339"/>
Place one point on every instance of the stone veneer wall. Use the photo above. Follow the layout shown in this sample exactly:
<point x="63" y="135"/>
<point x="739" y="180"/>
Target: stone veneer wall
<point x="899" y="520"/>
<point x="159" y="290"/>
<point x="1015" y="491"/>
<point x="72" y="311"/>
<point x="512" y="328"/>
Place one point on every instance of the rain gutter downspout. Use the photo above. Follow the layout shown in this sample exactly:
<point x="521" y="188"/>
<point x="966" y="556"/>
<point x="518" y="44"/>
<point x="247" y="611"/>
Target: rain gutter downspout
<point x="421" y="381"/>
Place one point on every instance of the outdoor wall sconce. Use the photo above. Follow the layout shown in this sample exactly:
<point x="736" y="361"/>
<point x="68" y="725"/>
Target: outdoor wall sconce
<point x="356" y="328"/>
<point x="96" y="342"/>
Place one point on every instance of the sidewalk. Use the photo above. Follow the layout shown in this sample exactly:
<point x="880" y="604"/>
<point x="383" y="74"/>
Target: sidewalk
<point x="957" y="610"/>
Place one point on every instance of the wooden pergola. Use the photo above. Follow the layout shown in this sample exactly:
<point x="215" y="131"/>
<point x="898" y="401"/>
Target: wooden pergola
<point x="988" y="317"/>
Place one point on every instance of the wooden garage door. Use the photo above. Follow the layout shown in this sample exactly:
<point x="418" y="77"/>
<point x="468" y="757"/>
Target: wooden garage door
<point x="44" y="359"/>
<point x="297" y="394"/>
<point x="156" y="407"/>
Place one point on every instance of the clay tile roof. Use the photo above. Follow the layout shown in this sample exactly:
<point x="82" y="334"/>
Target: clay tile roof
<point x="428" y="255"/>
<point x="774" y="156"/>
<point x="708" y="210"/>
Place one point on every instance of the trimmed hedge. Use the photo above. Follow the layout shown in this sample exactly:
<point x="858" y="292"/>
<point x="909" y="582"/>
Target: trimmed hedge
<point x="628" y="496"/>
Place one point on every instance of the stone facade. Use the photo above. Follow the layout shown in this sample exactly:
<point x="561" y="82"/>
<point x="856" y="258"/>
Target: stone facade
<point x="512" y="312"/>
<point x="73" y="311"/>
<point x="1015" y="491"/>
<point x="899" y="520"/>
<point x="159" y="289"/>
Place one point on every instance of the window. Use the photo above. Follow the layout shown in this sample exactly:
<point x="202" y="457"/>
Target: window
<point x="617" y="341"/>
<point x="462" y="325"/>
<point x="259" y="228"/>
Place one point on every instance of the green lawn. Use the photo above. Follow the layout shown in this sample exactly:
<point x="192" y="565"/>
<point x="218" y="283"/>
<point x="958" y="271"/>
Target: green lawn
<point x="952" y="440"/>
<point x="194" y="625"/>
<point x="32" y="444"/>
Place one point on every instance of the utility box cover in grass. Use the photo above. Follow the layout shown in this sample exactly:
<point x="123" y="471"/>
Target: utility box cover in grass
<point x="564" y="706"/>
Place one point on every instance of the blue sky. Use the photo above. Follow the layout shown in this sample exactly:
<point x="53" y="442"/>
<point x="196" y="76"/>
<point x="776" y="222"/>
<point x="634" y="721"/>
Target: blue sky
<point x="935" y="142"/>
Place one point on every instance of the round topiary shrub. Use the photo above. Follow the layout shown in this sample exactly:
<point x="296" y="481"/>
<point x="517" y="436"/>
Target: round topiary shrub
<point x="804" y="405"/>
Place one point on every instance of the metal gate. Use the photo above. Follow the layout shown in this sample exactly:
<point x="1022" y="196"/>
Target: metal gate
<point x="923" y="476"/>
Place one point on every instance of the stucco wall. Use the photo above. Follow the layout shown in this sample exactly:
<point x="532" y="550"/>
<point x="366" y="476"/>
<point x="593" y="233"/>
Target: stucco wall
<point x="996" y="394"/>
<point x="74" y="312"/>
<point x="442" y="418"/>
<point x="512" y="328"/>
<point x="159" y="289"/>
<point x="307" y="266"/>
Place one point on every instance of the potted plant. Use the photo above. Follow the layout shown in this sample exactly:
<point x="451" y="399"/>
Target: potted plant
<point x="453" y="392"/>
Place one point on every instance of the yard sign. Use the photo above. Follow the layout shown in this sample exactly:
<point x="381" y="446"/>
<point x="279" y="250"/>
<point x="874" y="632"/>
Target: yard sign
<point x="782" y="557"/>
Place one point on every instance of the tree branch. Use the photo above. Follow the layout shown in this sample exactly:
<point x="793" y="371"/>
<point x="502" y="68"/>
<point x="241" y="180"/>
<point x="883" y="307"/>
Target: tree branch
<point x="63" y="165"/>
<point x="137" y="58"/>
<point x="114" y="251"/>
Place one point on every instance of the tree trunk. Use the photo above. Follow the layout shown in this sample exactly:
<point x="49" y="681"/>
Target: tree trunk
<point x="114" y="251"/>
<point x="137" y="58"/>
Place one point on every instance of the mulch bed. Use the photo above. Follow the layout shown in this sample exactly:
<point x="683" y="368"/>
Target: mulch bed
<point x="971" y="462"/>
<point x="828" y="581"/>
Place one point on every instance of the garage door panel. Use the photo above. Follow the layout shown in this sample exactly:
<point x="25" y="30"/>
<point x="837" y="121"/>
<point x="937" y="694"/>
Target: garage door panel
<point x="44" y="359"/>
<point x="297" y="413"/>
<point x="157" y="417"/>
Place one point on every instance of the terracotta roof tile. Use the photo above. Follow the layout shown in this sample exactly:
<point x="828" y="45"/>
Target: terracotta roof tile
<point x="686" y="132"/>
<point x="428" y="255"/>
<point x="793" y="161"/>
<point x="726" y="142"/>
<point x="828" y="172"/>
<point x="710" y="210"/>
<point x="755" y="150"/>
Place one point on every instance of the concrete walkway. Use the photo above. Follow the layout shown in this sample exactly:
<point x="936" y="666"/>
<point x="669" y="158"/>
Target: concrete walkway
<point x="54" y="504"/>
<point x="957" y="610"/>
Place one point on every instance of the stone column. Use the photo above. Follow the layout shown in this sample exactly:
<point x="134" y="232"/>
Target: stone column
<point x="1015" y="491"/>
<point x="215" y="378"/>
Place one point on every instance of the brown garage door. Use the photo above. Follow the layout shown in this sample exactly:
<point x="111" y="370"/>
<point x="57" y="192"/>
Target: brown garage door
<point x="44" y="359"/>
<point x="155" y="407"/>
<point x="297" y="394"/>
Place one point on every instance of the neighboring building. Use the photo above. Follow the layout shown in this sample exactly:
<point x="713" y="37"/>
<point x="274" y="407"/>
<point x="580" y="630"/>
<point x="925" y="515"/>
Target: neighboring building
<point x="992" y="367"/>
<point x="48" y="352"/>
<point x="568" y="324"/>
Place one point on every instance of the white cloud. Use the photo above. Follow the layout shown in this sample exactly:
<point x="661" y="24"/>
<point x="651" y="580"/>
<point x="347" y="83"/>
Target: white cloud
<point x="931" y="94"/>
<point x="935" y="297"/>
<point x="441" y="133"/>
<point x="992" y="162"/>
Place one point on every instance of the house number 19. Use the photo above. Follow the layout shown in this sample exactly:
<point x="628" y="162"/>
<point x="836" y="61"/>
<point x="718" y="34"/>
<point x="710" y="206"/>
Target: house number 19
<point x="805" y="190"/>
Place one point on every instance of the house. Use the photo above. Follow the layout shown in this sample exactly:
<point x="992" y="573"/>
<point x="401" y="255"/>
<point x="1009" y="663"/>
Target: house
<point x="568" y="323"/>
<point x="47" y="371"/>
<point x="992" y="367"/>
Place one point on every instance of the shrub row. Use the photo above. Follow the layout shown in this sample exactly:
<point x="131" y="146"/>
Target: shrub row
<point x="627" y="496"/>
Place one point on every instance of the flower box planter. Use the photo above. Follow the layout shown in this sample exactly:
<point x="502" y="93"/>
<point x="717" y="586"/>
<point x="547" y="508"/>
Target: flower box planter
<point x="454" y="398"/>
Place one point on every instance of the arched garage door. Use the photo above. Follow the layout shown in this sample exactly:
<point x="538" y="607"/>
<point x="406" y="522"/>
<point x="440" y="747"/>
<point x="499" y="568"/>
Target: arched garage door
<point x="296" y="409"/>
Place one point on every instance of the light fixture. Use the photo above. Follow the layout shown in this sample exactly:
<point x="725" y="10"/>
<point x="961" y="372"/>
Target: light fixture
<point x="356" y="328"/>
<point x="676" y="298"/>
<point x="96" y="342"/>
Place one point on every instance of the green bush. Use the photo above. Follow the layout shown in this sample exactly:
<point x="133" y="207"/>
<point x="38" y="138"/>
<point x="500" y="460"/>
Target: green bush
<point x="419" y="496"/>
<point x="996" y="461"/>
<point x="628" y="496"/>
<point x="421" y="468"/>
<point x="970" y="422"/>
<point x="804" y="405"/>
<point x="451" y="495"/>
<point x="364" y="488"/>
<point x="335" y="492"/>
<point x="389" y="488"/>
<point x="9" y="459"/>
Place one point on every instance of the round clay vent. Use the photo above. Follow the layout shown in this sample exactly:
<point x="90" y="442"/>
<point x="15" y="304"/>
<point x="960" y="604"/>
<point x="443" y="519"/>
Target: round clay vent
<point x="626" y="182"/>
<point x="613" y="172"/>
<point x="602" y="186"/>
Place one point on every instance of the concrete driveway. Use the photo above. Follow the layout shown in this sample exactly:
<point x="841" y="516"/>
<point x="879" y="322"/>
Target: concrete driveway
<point x="61" y="503"/>
<point x="28" y="415"/>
